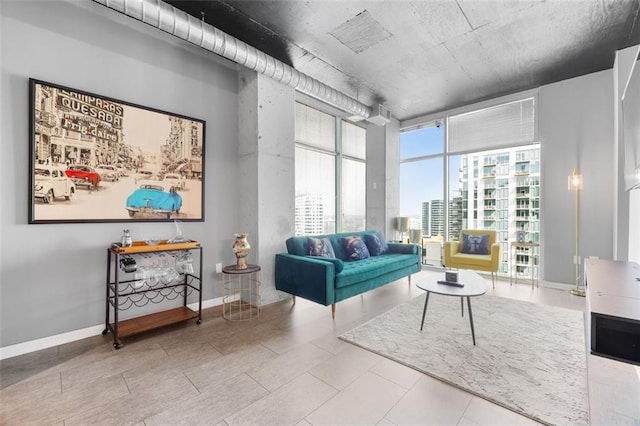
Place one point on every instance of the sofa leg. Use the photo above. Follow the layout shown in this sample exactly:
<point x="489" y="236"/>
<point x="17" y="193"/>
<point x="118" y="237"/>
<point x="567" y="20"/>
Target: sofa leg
<point x="409" y="280"/>
<point x="293" y="299"/>
<point x="333" y="311"/>
<point x="493" y="280"/>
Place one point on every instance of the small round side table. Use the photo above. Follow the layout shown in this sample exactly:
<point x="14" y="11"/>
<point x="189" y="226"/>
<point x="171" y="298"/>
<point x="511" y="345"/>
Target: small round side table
<point x="241" y="292"/>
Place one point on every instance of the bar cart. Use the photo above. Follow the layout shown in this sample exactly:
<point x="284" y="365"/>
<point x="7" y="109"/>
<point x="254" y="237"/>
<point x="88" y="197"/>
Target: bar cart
<point x="174" y="278"/>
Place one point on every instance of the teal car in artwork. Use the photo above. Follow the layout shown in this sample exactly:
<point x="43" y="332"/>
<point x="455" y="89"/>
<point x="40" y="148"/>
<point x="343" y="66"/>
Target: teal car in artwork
<point x="154" y="198"/>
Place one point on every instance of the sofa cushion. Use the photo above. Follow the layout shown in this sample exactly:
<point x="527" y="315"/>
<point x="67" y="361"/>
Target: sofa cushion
<point x="372" y="267"/>
<point x="376" y="243"/>
<point x="338" y="264"/>
<point x="354" y="248"/>
<point x="471" y="259"/>
<point x="475" y="244"/>
<point x="320" y="247"/>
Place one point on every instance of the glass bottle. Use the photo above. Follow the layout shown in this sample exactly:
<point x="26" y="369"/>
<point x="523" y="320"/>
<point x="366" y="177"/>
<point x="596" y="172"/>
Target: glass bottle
<point x="126" y="238"/>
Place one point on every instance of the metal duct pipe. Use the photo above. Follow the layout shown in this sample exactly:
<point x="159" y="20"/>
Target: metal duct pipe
<point x="180" y="24"/>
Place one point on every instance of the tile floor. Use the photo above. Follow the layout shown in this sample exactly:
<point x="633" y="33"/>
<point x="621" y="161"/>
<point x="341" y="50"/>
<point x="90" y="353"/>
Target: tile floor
<point x="285" y="367"/>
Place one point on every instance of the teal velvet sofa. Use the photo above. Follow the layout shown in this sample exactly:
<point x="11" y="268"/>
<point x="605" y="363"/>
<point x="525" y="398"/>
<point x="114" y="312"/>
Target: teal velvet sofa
<point x="330" y="280"/>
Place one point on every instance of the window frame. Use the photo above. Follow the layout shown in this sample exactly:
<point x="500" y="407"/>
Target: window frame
<point x="338" y="157"/>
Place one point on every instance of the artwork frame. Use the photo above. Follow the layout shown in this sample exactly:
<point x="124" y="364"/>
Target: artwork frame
<point x="96" y="159"/>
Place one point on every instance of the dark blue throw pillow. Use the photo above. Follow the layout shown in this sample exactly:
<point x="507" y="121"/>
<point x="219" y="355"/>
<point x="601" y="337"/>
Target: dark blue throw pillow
<point x="355" y="248"/>
<point x="475" y="244"/>
<point x="320" y="247"/>
<point x="376" y="243"/>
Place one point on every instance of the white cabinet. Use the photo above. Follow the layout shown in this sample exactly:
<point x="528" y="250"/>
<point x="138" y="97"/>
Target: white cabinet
<point x="432" y="252"/>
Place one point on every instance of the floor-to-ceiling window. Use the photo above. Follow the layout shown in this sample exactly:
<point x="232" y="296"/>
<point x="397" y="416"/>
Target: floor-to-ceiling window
<point x="330" y="171"/>
<point x="352" y="154"/>
<point x="487" y="175"/>
<point x="422" y="179"/>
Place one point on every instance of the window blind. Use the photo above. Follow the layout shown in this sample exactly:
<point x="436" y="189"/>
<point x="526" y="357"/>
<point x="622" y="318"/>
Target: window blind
<point x="495" y="127"/>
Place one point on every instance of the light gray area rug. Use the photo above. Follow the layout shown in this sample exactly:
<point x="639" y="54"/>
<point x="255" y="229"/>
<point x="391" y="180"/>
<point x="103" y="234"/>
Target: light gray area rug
<point x="529" y="358"/>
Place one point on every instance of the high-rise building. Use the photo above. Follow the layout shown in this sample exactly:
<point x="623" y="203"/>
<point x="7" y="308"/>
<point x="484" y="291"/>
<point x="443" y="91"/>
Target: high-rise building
<point x="425" y="219"/>
<point x="500" y="190"/>
<point x="436" y="213"/>
<point x="309" y="214"/>
<point x="455" y="215"/>
<point x="433" y="217"/>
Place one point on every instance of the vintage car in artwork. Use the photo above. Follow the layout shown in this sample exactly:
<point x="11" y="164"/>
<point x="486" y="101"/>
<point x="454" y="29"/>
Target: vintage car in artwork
<point x="108" y="172"/>
<point x="83" y="176"/>
<point x="177" y="179"/>
<point x="122" y="170"/>
<point x="154" y="197"/>
<point x="51" y="182"/>
<point x="145" y="174"/>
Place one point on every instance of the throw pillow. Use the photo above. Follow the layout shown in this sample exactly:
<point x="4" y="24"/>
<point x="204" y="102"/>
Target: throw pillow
<point x="355" y="248"/>
<point x="376" y="243"/>
<point x="475" y="244"/>
<point x="320" y="247"/>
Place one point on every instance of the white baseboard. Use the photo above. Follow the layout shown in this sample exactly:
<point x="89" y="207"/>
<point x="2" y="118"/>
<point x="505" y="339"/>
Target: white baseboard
<point x="72" y="336"/>
<point x="47" y="342"/>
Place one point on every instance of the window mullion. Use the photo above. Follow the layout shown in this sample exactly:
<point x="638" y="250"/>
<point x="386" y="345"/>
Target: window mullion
<point x="338" y="180"/>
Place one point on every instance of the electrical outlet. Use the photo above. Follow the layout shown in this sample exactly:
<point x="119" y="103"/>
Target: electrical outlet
<point x="218" y="268"/>
<point x="576" y="261"/>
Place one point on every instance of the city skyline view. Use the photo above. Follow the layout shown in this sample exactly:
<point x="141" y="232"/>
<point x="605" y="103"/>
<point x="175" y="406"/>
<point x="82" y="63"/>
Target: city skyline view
<point x="422" y="177"/>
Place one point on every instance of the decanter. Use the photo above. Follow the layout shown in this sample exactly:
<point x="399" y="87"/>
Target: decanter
<point x="126" y="238"/>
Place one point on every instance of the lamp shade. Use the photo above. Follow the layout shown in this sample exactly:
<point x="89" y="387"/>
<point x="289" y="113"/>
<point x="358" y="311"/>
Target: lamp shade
<point x="415" y="236"/>
<point x="402" y="224"/>
<point x="574" y="181"/>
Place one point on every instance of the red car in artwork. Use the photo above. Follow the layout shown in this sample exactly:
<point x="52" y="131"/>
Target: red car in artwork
<point x="83" y="176"/>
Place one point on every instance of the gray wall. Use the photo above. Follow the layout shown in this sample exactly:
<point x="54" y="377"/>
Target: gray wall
<point x="576" y="131"/>
<point x="52" y="276"/>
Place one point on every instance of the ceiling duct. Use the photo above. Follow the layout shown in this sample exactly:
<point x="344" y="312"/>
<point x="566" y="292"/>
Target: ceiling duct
<point x="381" y="116"/>
<point x="167" y="18"/>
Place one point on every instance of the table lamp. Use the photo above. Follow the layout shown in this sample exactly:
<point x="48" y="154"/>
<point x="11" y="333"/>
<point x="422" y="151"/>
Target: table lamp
<point x="402" y="226"/>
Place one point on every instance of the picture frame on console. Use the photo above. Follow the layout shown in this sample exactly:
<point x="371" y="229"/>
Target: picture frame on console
<point x="93" y="158"/>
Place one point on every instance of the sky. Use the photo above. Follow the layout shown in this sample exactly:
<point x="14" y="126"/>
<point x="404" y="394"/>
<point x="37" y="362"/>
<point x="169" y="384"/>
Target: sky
<point x="422" y="180"/>
<point x="144" y="128"/>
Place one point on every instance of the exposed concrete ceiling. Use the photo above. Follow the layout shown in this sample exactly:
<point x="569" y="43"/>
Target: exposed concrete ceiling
<point x="419" y="57"/>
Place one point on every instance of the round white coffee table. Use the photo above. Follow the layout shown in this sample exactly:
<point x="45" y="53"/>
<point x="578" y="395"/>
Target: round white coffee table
<point x="474" y="285"/>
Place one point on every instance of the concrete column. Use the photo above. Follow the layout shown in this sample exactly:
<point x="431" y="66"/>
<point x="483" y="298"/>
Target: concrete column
<point x="266" y="171"/>
<point x="383" y="177"/>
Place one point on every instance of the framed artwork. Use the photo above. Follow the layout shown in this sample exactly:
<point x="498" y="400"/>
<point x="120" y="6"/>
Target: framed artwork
<point x="98" y="159"/>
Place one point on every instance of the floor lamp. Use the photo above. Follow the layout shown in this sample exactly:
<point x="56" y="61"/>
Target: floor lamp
<point x="575" y="184"/>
